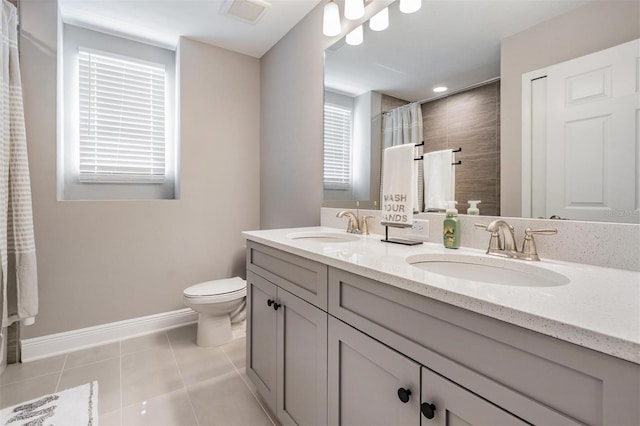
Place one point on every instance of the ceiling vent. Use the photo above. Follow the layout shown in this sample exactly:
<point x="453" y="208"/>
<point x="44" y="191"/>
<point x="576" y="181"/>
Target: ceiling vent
<point x="249" y="11"/>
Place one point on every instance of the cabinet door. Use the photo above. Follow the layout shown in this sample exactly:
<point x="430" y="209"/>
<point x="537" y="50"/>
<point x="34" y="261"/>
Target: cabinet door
<point x="364" y="379"/>
<point x="302" y="362"/>
<point x="262" y="337"/>
<point x="455" y="406"/>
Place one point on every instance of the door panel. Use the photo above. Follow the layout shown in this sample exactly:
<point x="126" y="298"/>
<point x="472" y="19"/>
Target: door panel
<point x="592" y="136"/>
<point x="364" y="378"/>
<point x="456" y="406"/>
<point x="302" y="362"/>
<point x="261" y="337"/>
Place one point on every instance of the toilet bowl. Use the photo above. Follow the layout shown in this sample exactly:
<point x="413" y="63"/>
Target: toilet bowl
<point x="218" y="304"/>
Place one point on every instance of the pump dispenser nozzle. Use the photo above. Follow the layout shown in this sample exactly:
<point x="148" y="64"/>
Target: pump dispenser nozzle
<point x="473" y="207"/>
<point x="451" y="207"/>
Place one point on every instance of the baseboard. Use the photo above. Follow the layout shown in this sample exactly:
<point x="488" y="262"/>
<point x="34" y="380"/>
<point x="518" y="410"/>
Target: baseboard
<point x="69" y="341"/>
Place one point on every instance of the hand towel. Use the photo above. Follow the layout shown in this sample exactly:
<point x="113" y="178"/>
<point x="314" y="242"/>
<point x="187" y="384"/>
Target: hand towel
<point x="439" y="179"/>
<point x="398" y="183"/>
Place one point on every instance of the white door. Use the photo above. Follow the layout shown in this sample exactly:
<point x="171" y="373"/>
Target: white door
<point x="593" y="133"/>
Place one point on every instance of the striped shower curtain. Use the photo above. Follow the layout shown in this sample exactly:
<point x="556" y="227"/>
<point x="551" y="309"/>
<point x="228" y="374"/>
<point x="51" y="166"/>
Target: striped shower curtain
<point x="19" y="293"/>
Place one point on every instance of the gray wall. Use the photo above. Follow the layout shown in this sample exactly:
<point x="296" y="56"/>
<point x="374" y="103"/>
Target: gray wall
<point x="291" y="123"/>
<point x="106" y="261"/>
<point x="591" y="28"/>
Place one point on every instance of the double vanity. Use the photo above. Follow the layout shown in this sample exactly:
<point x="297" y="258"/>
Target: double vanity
<point x="346" y="329"/>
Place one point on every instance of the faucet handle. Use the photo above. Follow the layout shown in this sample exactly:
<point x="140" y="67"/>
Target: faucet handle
<point x="529" y="248"/>
<point x="364" y="226"/>
<point x="550" y="231"/>
<point x="480" y="226"/>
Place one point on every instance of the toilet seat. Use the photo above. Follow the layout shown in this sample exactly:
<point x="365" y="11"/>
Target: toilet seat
<point x="216" y="291"/>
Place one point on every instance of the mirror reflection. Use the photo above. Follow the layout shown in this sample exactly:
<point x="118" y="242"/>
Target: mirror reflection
<point x="457" y="45"/>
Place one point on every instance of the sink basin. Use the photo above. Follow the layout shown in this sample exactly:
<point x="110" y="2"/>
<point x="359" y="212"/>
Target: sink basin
<point x="324" y="237"/>
<point x="488" y="270"/>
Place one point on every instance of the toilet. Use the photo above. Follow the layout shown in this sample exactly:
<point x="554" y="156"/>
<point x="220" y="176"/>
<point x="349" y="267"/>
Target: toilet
<point x="218" y="304"/>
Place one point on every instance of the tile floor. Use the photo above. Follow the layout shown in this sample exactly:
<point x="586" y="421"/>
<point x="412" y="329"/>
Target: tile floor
<point x="159" y="379"/>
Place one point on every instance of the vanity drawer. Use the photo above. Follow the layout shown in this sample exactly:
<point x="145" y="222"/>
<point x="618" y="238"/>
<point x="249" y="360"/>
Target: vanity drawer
<point x="540" y="379"/>
<point x="303" y="277"/>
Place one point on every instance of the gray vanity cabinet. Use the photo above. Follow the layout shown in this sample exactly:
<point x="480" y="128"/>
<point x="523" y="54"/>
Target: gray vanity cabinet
<point x="371" y="384"/>
<point x="287" y="337"/>
<point x="327" y="346"/>
<point x="537" y="378"/>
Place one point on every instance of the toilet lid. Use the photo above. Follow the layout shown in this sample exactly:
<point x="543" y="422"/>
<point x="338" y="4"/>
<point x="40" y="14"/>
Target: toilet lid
<point x="215" y="287"/>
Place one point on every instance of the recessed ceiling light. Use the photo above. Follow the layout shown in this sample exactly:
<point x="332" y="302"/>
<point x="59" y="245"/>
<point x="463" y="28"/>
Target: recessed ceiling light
<point x="440" y="89"/>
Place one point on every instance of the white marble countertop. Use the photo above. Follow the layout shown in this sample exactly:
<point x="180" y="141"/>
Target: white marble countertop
<point x="599" y="308"/>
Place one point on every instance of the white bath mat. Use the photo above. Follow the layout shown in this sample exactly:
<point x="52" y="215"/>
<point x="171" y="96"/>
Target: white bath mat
<point x="71" y="407"/>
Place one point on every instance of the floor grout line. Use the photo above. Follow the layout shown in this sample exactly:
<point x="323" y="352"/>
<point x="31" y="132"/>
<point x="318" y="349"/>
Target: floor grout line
<point x="184" y="385"/>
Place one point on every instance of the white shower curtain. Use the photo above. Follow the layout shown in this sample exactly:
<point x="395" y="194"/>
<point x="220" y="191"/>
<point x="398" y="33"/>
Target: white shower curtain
<point x="19" y="293"/>
<point x="400" y="126"/>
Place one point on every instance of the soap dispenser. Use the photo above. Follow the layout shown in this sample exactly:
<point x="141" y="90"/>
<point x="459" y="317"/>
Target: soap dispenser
<point x="451" y="227"/>
<point x="473" y="207"/>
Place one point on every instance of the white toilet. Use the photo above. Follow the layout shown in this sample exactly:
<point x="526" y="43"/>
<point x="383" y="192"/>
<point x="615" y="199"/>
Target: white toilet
<point x="218" y="304"/>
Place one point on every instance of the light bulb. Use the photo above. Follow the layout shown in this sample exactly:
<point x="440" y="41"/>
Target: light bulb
<point x="355" y="37"/>
<point x="353" y="9"/>
<point x="331" y="19"/>
<point x="440" y="89"/>
<point x="410" y="6"/>
<point x="380" y="21"/>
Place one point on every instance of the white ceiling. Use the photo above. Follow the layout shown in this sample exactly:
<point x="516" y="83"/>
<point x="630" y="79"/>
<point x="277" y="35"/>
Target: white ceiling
<point x="455" y="43"/>
<point x="162" y="22"/>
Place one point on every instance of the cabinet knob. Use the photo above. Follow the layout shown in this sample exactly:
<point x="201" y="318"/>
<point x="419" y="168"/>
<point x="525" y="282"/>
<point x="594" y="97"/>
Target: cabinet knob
<point x="270" y="302"/>
<point x="404" y="394"/>
<point x="428" y="410"/>
<point x="276" y="305"/>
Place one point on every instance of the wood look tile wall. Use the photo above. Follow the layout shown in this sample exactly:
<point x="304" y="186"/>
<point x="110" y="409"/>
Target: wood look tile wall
<point x="469" y="120"/>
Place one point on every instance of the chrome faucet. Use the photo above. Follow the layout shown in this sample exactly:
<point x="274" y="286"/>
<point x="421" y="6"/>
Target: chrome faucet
<point x="503" y="241"/>
<point x="354" y="226"/>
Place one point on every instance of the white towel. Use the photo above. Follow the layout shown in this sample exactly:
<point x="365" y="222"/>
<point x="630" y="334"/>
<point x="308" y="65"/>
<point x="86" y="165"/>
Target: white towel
<point x="398" y="183"/>
<point x="439" y="179"/>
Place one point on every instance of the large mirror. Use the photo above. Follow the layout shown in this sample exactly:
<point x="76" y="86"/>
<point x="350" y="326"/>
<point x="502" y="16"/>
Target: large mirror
<point x="460" y="45"/>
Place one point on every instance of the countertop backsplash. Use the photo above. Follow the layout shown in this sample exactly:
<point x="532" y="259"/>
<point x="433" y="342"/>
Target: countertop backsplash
<point x="611" y="245"/>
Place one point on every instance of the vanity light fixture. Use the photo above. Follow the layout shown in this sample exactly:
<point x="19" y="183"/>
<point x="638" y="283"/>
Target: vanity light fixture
<point x="440" y="89"/>
<point x="380" y="21"/>
<point x="331" y="19"/>
<point x="353" y="9"/>
<point x="355" y="37"/>
<point x="410" y="6"/>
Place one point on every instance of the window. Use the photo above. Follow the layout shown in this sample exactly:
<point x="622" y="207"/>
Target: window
<point x="122" y="119"/>
<point x="337" y="147"/>
<point x="117" y="102"/>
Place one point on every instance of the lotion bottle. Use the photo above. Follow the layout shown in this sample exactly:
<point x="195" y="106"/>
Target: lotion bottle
<point x="451" y="227"/>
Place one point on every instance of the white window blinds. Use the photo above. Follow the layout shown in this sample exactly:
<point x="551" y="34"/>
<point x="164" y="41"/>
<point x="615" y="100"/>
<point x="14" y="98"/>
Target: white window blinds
<point x="337" y="147"/>
<point x="122" y="119"/>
